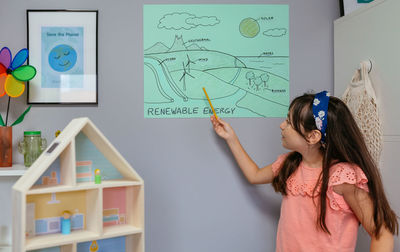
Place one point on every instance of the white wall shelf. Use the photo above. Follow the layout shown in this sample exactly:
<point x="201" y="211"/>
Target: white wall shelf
<point x="5" y="248"/>
<point x="15" y="170"/>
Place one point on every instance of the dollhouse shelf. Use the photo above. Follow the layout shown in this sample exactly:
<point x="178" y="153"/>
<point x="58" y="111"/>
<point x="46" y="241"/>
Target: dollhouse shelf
<point x="120" y="230"/>
<point x="63" y="178"/>
<point x="40" y="189"/>
<point x="15" y="170"/>
<point x="79" y="236"/>
<point x="54" y="240"/>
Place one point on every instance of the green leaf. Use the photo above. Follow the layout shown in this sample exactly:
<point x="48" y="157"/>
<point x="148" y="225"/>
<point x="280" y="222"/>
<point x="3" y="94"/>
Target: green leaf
<point x="24" y="73"/>
<point x="21" y="117"/>
<point x="1" y="121"/>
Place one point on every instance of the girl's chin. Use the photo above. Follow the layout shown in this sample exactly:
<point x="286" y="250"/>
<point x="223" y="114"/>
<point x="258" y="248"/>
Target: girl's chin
<point x="285" y="146"/>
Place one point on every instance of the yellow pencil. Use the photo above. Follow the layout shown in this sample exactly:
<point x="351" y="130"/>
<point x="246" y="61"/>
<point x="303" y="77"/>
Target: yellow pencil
<point x="208" y="98"/>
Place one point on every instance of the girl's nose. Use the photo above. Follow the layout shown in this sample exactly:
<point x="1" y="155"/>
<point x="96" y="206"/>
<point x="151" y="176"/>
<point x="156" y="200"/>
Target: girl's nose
<point x="283" y="125"/>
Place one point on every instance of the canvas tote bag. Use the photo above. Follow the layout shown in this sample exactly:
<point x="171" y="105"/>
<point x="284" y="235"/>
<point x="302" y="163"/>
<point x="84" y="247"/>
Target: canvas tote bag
<point x="360" y="98"/>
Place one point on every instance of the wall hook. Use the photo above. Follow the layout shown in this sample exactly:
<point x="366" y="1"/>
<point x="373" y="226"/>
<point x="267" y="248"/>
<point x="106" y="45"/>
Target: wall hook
<point x="370" y="66"/>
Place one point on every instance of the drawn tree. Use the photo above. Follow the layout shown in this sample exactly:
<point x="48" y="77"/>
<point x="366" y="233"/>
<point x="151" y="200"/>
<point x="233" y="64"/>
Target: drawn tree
<point x="258" y="81"/>
<point x="250" y="76"/>
<point x="265" y="77"/>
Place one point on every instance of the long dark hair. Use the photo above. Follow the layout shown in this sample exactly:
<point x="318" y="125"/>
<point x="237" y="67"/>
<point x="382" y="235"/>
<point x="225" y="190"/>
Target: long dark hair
<point x="344" y="143"/>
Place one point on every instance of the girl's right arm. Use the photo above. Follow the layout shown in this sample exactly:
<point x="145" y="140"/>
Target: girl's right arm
<point x="249" y="168"/>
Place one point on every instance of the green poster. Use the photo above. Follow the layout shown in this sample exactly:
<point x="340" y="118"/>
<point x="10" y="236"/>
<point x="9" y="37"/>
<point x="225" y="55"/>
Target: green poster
<point x="238" y="53"/>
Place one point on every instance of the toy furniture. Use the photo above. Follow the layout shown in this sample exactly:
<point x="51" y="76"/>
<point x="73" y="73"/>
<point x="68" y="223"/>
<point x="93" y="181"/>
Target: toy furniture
<point x="105" y="215"/>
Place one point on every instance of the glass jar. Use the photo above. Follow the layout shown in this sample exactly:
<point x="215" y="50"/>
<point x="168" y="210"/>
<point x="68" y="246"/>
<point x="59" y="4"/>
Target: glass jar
<point x="32" y="146"/>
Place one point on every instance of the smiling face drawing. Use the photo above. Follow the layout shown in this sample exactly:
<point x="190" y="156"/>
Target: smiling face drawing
<point x="62" y="58"/>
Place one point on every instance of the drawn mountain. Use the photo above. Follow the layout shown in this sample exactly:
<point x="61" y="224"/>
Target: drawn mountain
<point x="194" y="47"/>
<point x="178" y="45"/>
<point x="157" y="48"/>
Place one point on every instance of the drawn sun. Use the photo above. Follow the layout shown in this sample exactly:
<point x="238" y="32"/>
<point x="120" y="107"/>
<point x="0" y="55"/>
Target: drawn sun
<point x="249" y="28"/>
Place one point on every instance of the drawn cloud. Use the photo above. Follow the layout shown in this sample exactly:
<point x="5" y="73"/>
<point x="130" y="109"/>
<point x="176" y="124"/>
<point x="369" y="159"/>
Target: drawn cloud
<point x="187" y="21"/>
<point x="276" y="32"/>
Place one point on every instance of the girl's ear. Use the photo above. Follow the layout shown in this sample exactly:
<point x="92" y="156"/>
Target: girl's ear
<point x="314" y="137"/>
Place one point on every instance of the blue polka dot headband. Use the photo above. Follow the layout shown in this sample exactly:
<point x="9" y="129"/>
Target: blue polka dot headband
<point x="320" y="111"/>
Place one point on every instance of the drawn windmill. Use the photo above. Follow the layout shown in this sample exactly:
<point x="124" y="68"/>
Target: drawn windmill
<point x="189" y="62"/>
<point x="184" y="76"/>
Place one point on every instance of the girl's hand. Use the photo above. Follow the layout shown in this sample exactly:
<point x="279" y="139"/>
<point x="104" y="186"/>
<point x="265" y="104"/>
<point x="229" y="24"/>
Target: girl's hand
<point x="222" y="128"/>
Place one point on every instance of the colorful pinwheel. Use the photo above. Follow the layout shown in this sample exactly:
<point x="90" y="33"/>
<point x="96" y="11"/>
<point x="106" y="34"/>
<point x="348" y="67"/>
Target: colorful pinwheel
<point x="13" y="74"/>
<point x="12" y="77"/>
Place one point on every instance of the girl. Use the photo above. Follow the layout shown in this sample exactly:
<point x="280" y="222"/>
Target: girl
<point x="329" y="181"/>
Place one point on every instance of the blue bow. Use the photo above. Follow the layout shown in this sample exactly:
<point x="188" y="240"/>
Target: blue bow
<point x="320" y="111"/>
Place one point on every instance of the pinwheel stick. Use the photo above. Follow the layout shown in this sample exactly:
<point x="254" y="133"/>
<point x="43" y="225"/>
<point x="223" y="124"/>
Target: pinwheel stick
<point x="8" y="108"/>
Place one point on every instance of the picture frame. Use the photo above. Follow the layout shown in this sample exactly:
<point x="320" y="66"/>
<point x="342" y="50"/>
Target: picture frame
<point x="62" y="47"/>
<point x="348" y="6"/>
<point x="341" y="6"/>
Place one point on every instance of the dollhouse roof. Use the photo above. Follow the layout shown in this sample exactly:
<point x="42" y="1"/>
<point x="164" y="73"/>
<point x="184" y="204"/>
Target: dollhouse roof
<point x="63" y="147"/>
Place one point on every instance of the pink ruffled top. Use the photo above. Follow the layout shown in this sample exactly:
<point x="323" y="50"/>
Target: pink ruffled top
<point x="298" y="229"/>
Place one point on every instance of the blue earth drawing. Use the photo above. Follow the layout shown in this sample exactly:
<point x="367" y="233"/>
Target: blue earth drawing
<point x="62" y="58"/>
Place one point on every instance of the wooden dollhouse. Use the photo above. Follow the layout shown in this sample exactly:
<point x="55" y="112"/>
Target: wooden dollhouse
<point x="103" y="216"/>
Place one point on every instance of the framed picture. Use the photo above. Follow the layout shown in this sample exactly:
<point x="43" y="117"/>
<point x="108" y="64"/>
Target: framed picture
<point x="62" y="47"/>
<point x="347" y="6"/>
